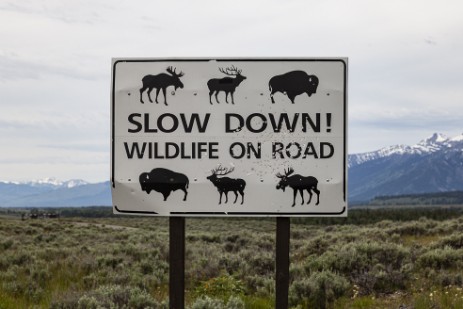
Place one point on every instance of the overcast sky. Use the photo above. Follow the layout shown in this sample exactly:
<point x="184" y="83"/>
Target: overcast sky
<point x="405" y="67"/>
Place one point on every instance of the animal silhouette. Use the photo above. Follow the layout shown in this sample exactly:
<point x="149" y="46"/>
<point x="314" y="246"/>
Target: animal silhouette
<point x="226" y="184"/>
<point x="298" y="183"/>
<point x="164" y="181"/>
<point x="226" y="84"/>
<point x="293" y="84"/>
<point x="161" y="82"/>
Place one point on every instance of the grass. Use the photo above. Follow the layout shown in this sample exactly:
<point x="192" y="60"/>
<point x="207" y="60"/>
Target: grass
<point x="112" y="262"/>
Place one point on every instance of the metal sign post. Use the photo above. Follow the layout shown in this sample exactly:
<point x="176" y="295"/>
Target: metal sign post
<point x="282" y="263"/>
<point x="176" y="262"/>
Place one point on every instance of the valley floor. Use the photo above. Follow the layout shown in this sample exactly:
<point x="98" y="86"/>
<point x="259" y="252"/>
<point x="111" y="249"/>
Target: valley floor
<point x="374" y="259"/>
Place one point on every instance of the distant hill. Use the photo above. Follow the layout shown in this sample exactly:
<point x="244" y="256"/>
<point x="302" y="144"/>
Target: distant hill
<point x="438" y="198"/>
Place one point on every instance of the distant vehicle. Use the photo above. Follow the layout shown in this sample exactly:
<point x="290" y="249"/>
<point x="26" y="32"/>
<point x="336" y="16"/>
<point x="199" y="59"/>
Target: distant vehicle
<point x="299" y="183"/>
<point x="164" y="181"/>
<point x="293" y="84"/>
<point x="161" y="82"/>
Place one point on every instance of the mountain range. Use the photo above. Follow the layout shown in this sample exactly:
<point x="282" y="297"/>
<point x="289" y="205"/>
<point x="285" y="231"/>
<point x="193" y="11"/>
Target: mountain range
<point x="51" y="192"/>
<point x="433" y="165"/>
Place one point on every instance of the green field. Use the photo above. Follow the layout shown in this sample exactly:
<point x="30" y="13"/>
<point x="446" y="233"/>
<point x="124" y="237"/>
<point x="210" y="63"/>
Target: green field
<point x="387" y="258"/>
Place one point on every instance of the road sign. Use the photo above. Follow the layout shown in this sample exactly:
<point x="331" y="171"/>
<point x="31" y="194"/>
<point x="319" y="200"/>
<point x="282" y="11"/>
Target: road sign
<point x="229" y="137"/>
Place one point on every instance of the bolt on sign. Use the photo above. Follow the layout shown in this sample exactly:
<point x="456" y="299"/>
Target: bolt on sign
<point x="229" y="137"/>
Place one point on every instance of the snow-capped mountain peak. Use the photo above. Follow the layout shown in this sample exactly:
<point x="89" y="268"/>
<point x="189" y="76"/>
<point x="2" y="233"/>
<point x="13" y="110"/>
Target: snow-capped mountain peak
<point x="46" y="181"/>
<point x="435" y="138"/>
<point x="51" y="182"/>
<point x="435" y="164"/>
<point x="434" y="143"/>
<point x="75" y="183"/>
<point x="458" y="138"/>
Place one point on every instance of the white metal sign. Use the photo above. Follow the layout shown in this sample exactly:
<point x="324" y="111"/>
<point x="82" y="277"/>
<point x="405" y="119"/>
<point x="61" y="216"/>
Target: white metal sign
<point x="229" y="137"/>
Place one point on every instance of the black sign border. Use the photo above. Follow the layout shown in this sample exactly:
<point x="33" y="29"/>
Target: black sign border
<point x="230" y="214"/>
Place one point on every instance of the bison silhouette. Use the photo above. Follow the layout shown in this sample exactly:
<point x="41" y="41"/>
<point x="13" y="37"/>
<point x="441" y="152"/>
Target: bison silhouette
<point x="299" y="184"/>
<point x="164" y="181"/>
<point x="293" y="84"/>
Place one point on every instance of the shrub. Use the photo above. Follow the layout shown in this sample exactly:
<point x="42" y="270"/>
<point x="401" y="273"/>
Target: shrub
<point x="237" y="239"/>
<point x="421" y="227"/>
<point x="34" y="292"/>
<point x="371" y="265"/>
<point x="206" y="302"/>
<point x="235" y="303"/>
<point x="203" y="268"/>
<point x="146" y="267"/>
<point x="21" y="258"/>
<point x="210" y="238"/>
<point x="317" y="245"/>
<point x="40" y="275"/>
<point x="4" y="263"/>
<point x="445" y="279"/>
<point x="441" y="258"/>
<point x="6" y="244"/>
<point x="319" y="290"/>
<point x="260" y="285"/>
<point x="262" y="263"/>
<point x="454" y="241"/>
<point x="109" y="261"/>
<point x="67" y="300"/>
<point x="231" y="263"/>
<point x="114" y="296"/>
<point x="222" y="287"/>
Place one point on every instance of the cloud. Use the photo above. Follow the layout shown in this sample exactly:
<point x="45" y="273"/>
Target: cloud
<point x="13" y="68"/>
<point x="404" y="60"/>
<point x="92" y="172"/>
<point x="67" y="12"/>
<point x="101" y="147"/>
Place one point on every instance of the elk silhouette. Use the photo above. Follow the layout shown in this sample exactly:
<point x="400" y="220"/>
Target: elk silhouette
<point x="226" y="84"/>
<point x="226" y="184"/>
<point x="299" y="184"/>
<point x="161" y="81"/>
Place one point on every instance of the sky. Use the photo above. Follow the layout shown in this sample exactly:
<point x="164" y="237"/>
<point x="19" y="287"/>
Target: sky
<point x="405" y="78"/>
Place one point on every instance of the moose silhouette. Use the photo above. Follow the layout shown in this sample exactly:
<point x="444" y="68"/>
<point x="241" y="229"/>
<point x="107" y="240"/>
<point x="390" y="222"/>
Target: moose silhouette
<point x="226" y="184"/>
<point x="161" y="81"/>
<point x="164" y="181"/>
<point x="293" y="84"/>
<point x="226" y="84"/>
<point x="299" y="184"/>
